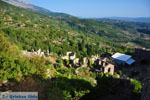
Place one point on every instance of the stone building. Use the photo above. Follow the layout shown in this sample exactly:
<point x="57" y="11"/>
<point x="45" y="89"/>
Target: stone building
<point x="30" y="54"/>
<point x="106" y="67"/>
<point x="76" y="61"/>
<point x="101" y="65"/>
<point x="40" y="53"/>
<point x="94" y="58"/>
<point x="70" y="55"/>
<point x="85" y="62"/>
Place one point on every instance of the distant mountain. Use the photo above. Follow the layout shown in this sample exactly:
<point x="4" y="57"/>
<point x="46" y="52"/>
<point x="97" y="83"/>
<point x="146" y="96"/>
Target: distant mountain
<point x="31" y="7"/>
<point x="138" y="19"/>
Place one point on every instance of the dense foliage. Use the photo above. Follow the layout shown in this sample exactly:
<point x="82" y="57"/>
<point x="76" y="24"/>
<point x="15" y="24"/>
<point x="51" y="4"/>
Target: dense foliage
<point x="24" y="30"/>
<point x="14" y="66"/>
<point x="31" y="31"/>
<point x="108" y="88"/>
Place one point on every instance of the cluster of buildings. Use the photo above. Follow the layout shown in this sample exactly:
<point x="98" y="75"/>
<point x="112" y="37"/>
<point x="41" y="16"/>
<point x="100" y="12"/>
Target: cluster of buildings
<point x="100" y="63"/>
<point x="38" y="52"/>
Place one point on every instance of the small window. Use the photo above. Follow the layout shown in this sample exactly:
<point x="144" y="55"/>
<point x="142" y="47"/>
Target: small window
<point x="109" y="69"/>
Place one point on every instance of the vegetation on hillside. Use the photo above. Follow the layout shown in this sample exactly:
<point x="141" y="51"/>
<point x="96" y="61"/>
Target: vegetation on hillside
<point x="31" y="31"/>
<point x="24" y="30"/>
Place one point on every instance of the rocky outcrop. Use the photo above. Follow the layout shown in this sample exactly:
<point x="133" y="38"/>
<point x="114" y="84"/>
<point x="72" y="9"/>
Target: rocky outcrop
<point x="146" y="87"/>
<point x="146" y="90"/>
<point x="5" y="86"/>
<point x="111" y="89"/>
<point x="143" y="53"/>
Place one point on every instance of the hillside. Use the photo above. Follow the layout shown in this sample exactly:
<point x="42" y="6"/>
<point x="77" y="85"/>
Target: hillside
<point x="31" y="7"/>
<point x="33" y="45"/>
<point x="141" y="27"/>
<point x="140" y="19"/>
<point x="103" y="33"/>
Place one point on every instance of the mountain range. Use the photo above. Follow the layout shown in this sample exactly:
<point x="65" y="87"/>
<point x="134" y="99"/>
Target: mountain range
<point x="31" y="7"/>
<point x="138" y="19"/>
<point x="112" y="29"/>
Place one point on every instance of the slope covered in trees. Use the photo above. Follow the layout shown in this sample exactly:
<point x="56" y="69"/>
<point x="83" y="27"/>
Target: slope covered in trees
<point x="31" y="7"/>
<point x="30" y="30"/>
<point x="24" y="30"/>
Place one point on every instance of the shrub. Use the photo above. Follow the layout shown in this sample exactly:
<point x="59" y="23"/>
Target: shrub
<point x="137" y="86"/>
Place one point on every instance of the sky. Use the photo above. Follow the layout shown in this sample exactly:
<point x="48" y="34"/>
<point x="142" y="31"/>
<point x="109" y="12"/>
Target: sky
<point x="97" y="8"/>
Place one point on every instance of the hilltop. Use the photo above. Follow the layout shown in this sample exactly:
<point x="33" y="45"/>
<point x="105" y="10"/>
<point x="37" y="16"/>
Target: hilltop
<point x="31" y="7"/>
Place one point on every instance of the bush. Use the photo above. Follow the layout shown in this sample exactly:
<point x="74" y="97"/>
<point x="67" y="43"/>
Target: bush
<point x="137" y="86"/>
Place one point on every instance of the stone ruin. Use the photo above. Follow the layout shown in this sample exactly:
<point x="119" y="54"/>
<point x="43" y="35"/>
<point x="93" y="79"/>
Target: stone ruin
<point x="70" y="55"/>
<point x="94" y="58"/>
<point x="106" y="67"/>
<point x="101" y="64"/>
<point x="39" y="53"/>
<point x="76" y="61"/>
<point x="85" y="62"/>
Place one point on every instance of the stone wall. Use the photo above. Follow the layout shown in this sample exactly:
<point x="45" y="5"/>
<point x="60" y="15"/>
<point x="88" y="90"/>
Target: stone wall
<point x="106" y="67"/>
<point x="142" y="52"/>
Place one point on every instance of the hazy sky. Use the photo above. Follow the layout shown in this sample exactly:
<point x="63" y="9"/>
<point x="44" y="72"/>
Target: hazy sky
<point x="98" y="8"/>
